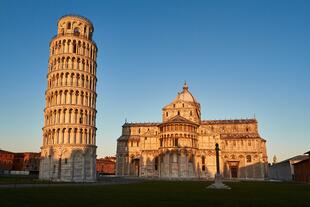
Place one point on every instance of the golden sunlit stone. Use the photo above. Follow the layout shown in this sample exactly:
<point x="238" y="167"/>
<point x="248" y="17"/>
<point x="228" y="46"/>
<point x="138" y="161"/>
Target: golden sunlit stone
<point x="69" y="133"/>
<point x="182" y="146"/>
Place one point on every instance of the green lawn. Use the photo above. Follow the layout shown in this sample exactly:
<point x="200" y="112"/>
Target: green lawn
<point x="20" y="180"/>
<point x="161" y="193"/>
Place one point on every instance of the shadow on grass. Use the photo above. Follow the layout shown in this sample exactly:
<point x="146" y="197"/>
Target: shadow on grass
<point x="161" y="193"/>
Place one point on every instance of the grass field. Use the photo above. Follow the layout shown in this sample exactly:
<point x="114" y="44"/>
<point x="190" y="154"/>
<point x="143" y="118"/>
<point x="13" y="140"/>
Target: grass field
<point x="20" y="180"/>
<point x="161" y="193"/>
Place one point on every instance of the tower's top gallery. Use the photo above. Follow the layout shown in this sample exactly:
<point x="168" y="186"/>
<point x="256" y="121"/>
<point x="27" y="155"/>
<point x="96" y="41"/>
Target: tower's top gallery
<point x="75" y="25"/>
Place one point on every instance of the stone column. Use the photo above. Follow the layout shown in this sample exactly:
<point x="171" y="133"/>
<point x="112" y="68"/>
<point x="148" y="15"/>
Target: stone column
<point x="218" y="184"/>
<point x="78" y="136"/>
<point x="194" y="166"/>
<point x="179" y="160"/>
<point x="159" y="165"/>
<point x="128" y="168"/>
<point x="169" y="164"/>
<point x="84" y="170"/>
<point x="186" y="164"/>
<point x="123" y="164"/>
<point x="66" y="48"/>
<point x="72" y="167"/>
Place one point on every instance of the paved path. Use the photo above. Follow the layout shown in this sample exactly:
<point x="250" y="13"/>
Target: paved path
<point x="101" y="181"/>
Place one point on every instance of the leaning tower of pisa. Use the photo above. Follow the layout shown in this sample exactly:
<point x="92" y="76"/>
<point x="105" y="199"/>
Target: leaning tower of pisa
<point x="68" y="152"/>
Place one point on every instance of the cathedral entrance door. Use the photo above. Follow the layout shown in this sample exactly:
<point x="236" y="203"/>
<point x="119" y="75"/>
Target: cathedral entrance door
<point x="233" y="166"/>
<point x="136" y="165"/>
<point x="234" y="172"/>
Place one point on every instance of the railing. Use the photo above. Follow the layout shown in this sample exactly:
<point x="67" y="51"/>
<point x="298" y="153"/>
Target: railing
<point x="76" y="15"/>
<point x="73" y="35"/>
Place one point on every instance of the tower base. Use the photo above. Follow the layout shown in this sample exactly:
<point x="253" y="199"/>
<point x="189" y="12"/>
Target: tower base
<point x="72" y="165"/>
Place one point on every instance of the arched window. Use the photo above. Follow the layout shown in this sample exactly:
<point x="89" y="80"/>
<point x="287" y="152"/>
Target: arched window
<point x="190" y="158"/>
<point x="167" y="114"/>
<point x="81" y="118"/>
<point x="191" y="113"/>
<point x="76" y="31"/>
<point x="248" y="158"/>
<point x="74" y="47"/>
<point x="179" y="113"/>
<point x="203" y="160"/>
<point x="68" y="25"/>
<point x="203" y="168"/>
<point x="176" y="142"/>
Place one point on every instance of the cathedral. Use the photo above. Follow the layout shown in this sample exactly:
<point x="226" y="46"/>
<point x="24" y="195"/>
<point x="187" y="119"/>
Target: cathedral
<point x="183" y="145"/>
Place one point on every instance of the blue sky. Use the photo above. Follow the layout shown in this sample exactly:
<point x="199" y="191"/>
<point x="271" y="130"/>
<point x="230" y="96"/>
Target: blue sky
<point x="239" y="58"/>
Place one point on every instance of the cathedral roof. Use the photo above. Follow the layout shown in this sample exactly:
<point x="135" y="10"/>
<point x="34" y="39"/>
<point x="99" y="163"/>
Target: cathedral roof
<point x="294" y="159"/>
<point x="240" y="136"/>
<point x="179" y="119"/>
<point x="128" y="137"/>
<point x="146" y="124"/>
<point x="185" y="95"/>
<point x="230" y="121"/>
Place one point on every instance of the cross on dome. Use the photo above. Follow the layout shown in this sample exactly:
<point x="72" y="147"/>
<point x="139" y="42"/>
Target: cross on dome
<point x="185" y="86"/>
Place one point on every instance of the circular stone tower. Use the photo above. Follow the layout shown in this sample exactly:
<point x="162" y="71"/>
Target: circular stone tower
<point x="69" y="133"/>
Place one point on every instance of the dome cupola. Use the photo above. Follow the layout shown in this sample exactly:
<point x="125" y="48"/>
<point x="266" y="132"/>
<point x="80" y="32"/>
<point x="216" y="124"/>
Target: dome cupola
<point x="185" y="105"/>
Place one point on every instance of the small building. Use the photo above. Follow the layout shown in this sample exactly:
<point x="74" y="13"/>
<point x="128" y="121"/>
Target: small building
<point x="31" y="161"/>
<point x="106" y="166"/>
<point x="21" y="161"/>
<point x="302" y="170"/>
<point x="18" y="163"/>
<point x="285" y="170"/>
<point x="6" y="160"/>
<point x="26" y="161"/>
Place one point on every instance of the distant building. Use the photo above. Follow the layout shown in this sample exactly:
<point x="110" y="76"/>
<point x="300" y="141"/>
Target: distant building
<point x="183" y="145"/>
<point x="31" y="161"/>
<point x="302" y="170"/>
<point x="106" y="166"/>
<point x="21" y="161"/>
<point x="26" y="161"/>
<point x="6" y="160"/>
<point x="285" y="170"/>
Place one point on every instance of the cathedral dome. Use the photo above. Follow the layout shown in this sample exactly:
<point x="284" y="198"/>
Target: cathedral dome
<point x="185" y="95"/>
